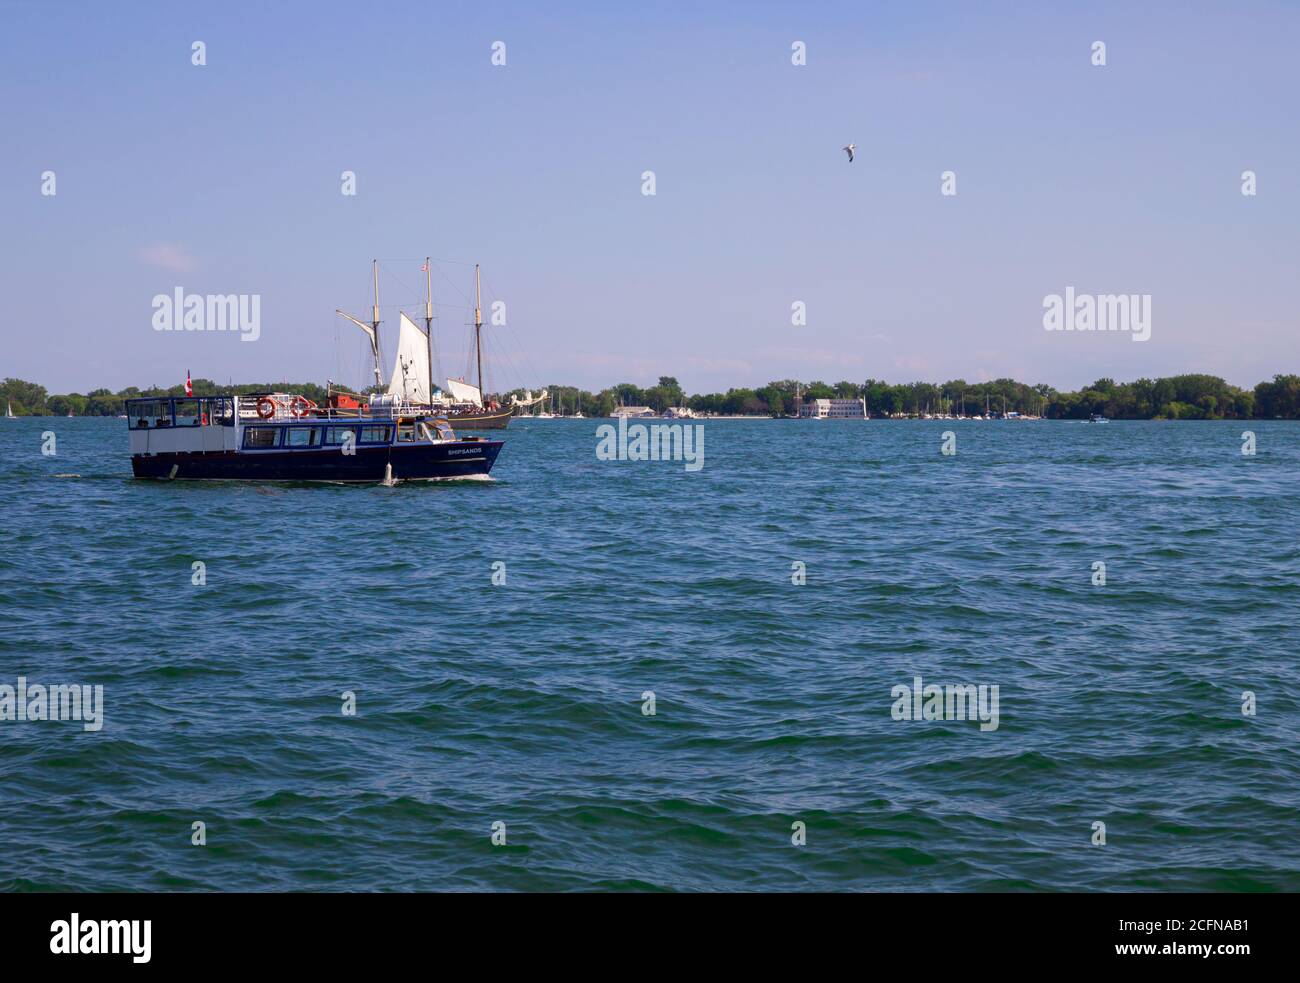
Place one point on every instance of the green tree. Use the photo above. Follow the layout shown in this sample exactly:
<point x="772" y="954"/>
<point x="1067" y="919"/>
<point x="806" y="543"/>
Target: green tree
<point x="1279" y="399"/>
<point x="27" y="398"/>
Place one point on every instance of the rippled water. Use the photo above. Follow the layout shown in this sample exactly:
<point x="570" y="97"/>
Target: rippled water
<point x="523" y="703"/>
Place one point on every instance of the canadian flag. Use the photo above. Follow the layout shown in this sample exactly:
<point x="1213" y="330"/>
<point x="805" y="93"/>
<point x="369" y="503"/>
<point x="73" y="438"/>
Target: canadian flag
<point x="189" y="387"/>
<point x="424" y="268"/>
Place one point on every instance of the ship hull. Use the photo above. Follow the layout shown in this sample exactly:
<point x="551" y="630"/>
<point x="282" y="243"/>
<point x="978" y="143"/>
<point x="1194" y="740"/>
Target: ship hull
<point x="485" y="420"/>
<point x="421" y="462"/>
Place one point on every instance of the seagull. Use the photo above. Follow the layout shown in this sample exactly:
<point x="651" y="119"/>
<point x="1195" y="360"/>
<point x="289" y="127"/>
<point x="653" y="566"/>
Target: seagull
<point x="849" y="150"/>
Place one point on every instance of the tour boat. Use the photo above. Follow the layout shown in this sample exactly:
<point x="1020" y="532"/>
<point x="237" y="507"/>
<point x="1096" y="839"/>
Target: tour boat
<point x="287" y="437"/>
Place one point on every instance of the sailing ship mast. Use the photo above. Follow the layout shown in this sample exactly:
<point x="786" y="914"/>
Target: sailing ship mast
<point x="428" y="321"/>
<point x="478" y="333"/>
<point x="374" y="324"/>
<point x="371" y="329"/>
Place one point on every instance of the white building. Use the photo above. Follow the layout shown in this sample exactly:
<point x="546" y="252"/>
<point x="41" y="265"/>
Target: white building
<point x="834" y="409"/>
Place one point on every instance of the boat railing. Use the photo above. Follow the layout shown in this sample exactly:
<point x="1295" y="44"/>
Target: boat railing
<point x="289" y="407"/>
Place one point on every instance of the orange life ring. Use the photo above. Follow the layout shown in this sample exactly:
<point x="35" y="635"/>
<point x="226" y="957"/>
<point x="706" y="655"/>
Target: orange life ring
<point x="300" y="401"/>
<point x="270" y="408"/>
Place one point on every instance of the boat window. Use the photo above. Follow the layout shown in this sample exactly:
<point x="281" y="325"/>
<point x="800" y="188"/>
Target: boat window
<point x="302" y="437"/>
<point x="376" y="435"/>
<point x="143" y="414"/>
<point x="338" y="435"/>
<point x="187" y="412"/>
<point x="261" y="436"/>
<point x="406" y="431"/>
<point x="223" y="411"/>
<point x="163" y="413"/>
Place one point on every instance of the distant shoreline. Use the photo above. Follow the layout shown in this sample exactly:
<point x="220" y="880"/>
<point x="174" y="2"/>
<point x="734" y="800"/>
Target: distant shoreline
<point x="1182" y="397"/>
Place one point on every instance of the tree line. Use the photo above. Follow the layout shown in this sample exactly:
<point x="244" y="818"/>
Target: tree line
<point x="30" y="399"/>
<point x="1180" y="397"/>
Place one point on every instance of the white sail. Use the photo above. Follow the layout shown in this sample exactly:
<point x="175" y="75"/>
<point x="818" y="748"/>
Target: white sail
<point x="463" y="392"/>
<point x="410" y="377"/>
<point x="371" y="334"/>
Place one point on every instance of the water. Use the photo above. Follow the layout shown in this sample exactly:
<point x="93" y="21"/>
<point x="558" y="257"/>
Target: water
<point x="522" y="704"/>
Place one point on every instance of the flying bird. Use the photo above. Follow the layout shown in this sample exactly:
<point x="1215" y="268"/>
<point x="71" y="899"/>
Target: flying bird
<point x="849" y="150"/>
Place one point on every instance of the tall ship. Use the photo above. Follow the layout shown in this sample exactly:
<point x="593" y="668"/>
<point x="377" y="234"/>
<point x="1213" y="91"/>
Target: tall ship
<point x="287" y="437"/>
<point x="462" y="403"/>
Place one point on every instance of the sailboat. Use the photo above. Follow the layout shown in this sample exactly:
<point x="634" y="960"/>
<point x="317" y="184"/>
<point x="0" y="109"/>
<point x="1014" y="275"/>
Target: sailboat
<point x="579" y="415"/>
<point x="9" y="410"/>
<point x="410" y="382"/>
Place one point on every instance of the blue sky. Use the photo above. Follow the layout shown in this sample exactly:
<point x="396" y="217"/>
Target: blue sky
<point x="225" y="178"/>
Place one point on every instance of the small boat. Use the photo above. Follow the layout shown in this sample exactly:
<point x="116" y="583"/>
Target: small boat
<point x="1097" y="418"/>
<point x="287" y="437"/>
<point x="9" y="410"/>
<point x="546" y="409"/>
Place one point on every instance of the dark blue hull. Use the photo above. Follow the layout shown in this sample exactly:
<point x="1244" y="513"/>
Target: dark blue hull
<point x="419" y="462"/>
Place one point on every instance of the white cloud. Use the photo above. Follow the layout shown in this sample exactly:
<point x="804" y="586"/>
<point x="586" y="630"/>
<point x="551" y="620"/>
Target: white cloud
<point x="169" y="256"/>
<point x="912" y="363"/>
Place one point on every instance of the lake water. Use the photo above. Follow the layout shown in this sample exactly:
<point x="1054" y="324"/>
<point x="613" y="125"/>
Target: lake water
<point x="523" y="703"/>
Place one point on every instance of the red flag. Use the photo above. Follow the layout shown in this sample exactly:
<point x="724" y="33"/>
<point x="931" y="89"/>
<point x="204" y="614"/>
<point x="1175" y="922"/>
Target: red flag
<point x="424" y="268"/>
<point x="189" y="387"/>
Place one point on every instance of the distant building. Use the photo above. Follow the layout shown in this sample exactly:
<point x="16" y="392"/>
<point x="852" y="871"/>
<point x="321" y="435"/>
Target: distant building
<point x="637" y="411"/>
<point x="833" y="409"/>
<point x="679" y="413"/>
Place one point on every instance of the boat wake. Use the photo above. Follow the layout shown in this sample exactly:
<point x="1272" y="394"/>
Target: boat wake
<point x="460" y="477"/>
